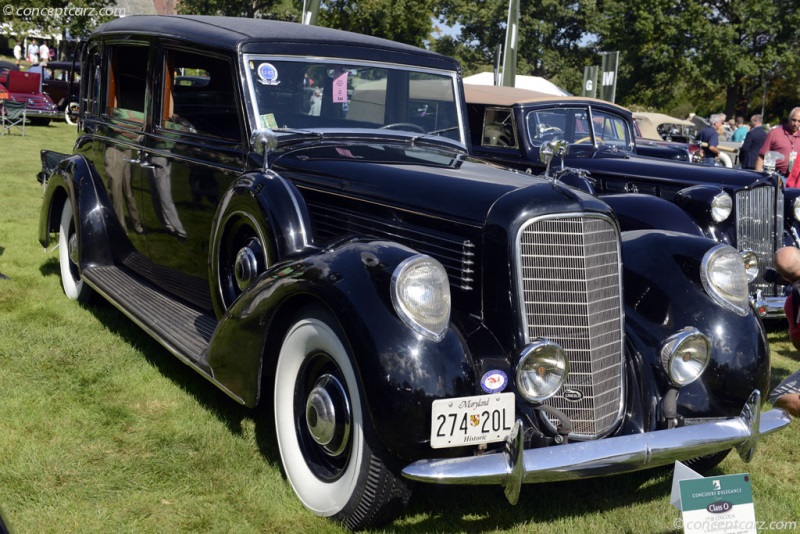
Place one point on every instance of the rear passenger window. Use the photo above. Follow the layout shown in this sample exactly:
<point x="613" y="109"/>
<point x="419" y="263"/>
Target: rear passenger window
<point x="127" y="80"/>
<point x="198" y="96"/>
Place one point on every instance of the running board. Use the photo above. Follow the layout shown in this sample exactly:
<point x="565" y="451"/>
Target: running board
<point x="183" y="330"/>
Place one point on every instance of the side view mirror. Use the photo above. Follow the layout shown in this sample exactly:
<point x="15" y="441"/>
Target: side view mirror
<point x="263" y="141"/>
<point x="552" y="149"/>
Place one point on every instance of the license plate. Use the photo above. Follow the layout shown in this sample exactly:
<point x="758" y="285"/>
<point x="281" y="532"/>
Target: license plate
<point x="471" y="420"/>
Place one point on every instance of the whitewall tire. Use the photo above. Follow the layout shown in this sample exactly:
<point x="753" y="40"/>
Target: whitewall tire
<point x="325" y="439"/>
<point x="74" y="287"/>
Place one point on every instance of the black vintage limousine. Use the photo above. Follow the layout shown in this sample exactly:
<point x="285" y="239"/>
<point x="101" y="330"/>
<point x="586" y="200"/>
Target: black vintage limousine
<point x="747" y="210"/>
<point x="302" y="224"/>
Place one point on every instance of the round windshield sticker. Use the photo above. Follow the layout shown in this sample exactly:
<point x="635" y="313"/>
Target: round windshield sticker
<point x="494" y="381"/>
<point x="267" y="74"/>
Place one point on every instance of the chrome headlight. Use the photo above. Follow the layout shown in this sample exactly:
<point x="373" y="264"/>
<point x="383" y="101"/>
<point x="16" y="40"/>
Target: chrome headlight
<point x="796" y="209"/>
<point x="752" y="265"/>
<point x="685" y="356"/>
<point x="421" y="296"/>
<point x="541" y="370"/>
<point x="724" y="278"/>
<point x="721" y="207"/>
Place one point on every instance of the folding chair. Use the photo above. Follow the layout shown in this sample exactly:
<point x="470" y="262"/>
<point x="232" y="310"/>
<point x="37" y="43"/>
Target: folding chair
<point x="13" y="114"/>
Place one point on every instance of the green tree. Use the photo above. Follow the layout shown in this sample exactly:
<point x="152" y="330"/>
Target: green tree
<point x="554" y="36"/>
<point x="404" y="21"/>
<point x="287" y="10"/>
<point x="713" y="55"/>
<point x="54" y="17"/>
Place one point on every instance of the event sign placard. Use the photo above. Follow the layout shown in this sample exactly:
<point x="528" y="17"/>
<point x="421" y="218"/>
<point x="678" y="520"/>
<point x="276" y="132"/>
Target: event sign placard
<point x="718" y="504"/>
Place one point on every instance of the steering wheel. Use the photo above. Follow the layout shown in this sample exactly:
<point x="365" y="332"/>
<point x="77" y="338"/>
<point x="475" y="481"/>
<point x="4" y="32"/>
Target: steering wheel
<point x="404" y="126"/>
<point x="588" y="139"/>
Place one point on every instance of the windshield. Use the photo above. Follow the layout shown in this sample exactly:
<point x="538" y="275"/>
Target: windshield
<point x="309" y="94"/>
<point x="577" y="126"/>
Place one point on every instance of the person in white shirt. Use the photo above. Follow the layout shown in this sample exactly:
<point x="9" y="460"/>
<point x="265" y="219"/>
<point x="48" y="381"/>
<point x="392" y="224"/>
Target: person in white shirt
<point x="44" y="53"/>
<point x="18" y="53"/>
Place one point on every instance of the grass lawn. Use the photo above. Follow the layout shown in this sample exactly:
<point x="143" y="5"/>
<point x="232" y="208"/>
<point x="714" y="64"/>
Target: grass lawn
<point x="102" y="430"/>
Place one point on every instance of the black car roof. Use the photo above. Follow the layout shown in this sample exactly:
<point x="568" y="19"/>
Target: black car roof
<point x="271" y="36"/>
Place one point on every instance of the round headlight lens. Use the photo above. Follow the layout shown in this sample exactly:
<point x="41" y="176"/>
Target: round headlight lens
<point x="685" y="356"/>
<point x="724" y="278"/>
<point x="796" y="209"/>
<point x="541" y="370"/>
<point x="721" y="207"/>
<point x="752" y="265"/>
<point x="421" y="296"/>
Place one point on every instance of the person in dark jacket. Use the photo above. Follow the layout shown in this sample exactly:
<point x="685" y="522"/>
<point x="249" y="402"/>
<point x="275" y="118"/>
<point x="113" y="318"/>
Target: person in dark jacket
<point x="748" y="153"/>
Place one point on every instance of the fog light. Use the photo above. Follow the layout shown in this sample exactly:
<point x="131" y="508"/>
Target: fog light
<point x="752" y="265"/>
<point x="685" y="356"/>
<point x="540" y="371"/>
<point x="721" y="207"/>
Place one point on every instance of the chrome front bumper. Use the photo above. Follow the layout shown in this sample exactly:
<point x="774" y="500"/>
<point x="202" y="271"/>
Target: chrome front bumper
<point x="769" y="307"/>
<point x="623" y="454"/>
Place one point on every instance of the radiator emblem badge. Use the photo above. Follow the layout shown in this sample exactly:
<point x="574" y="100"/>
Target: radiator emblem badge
<point x="573" y="395"/>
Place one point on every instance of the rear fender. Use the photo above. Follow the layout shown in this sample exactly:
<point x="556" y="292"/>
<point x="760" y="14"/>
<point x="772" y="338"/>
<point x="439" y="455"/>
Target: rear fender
<point x="75" y="179"/>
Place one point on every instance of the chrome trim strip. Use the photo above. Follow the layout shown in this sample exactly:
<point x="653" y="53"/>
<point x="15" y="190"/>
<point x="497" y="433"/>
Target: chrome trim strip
<point x="609" y="456"/>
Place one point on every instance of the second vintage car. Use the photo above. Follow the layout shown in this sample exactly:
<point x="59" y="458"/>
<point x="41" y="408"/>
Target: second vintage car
<point x="747" y="210"/>
<point x="406" y="312"/>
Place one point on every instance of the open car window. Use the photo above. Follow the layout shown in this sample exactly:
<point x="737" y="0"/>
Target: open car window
<point x="305" y="95"/>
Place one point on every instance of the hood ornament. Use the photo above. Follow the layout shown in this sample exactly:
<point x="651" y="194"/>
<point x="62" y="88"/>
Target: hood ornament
<point x="557" y="148"/>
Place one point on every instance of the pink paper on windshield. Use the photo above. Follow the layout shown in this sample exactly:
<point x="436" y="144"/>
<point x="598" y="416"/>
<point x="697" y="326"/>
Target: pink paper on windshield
<point x="340" y="88"/>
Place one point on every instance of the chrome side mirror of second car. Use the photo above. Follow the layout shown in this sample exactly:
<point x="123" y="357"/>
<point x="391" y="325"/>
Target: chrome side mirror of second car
<point x="263" y="141"/>
<point x="557" y="148"/>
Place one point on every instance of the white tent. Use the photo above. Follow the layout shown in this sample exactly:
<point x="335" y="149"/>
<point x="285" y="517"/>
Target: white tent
<point x="532" y="83"/>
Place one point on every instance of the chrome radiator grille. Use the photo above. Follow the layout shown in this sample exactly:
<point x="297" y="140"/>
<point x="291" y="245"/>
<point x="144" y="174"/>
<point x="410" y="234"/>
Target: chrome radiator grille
<point x="756" y="230"/>
<point x="569" y="271"/>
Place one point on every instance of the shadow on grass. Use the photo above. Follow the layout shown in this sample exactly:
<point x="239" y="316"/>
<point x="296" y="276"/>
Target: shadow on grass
<point x="207" y="395"/>
<point x="484" y="508"/>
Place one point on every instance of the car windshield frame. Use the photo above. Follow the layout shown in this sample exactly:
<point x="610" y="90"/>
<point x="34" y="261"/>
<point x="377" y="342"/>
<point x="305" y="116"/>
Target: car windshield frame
<point x="582" y="126"/>
<point x="288" y="94"/>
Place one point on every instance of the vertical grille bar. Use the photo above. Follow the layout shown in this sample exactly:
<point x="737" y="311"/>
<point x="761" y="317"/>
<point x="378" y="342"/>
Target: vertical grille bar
<point x="756" y="231"/>
<point x="570" y="285"/>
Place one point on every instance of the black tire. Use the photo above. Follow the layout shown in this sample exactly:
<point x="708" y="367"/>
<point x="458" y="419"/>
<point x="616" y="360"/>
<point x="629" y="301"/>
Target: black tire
<point x="72" y="283"/>
<point x="704" y="464"/>
<point x="337" y="469"/>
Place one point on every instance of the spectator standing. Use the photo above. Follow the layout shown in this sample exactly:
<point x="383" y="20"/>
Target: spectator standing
<point x="18" y="53"/>
<point x="33" y="53"/>
<point x="709" y="136"/>
<point x="44" y="53"/>
<point x="784" y="139"/>
<point x="748" y="153"/>
<point x="741" y="130"/>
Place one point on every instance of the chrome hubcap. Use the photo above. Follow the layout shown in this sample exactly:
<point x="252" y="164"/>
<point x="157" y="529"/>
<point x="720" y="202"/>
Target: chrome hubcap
<point x="245" y="268"/>
<point x="72" y="248"/>
<point x="328" y="415"/>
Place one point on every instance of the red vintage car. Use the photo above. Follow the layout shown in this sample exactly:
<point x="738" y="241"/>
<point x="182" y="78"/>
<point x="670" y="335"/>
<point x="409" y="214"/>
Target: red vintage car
<point x="22" y="86"/>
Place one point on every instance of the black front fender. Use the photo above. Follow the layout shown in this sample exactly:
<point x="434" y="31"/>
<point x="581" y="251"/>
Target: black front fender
<point x="664" y="294"/>
<point x="400" y="371"/>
